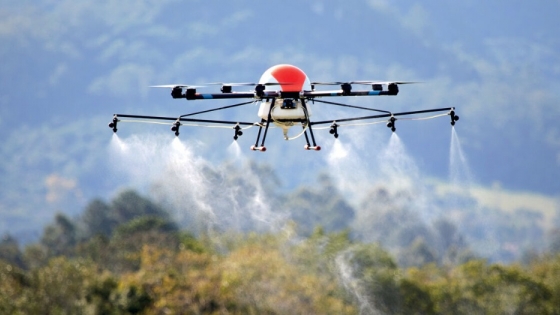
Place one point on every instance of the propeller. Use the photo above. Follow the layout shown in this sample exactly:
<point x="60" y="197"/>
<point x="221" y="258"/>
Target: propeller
<point x="172" y="86"/>
<point x="245" y="83"/>
<point x="226" y="87"/>
<point x="188" y="86"/>
<point x="259" y="87"/>
<point x="364" y="82"/>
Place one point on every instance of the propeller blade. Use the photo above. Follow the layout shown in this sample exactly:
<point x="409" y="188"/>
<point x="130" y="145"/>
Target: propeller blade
<point x="364" y="82"/>
<point x="328" y="83"/>
<point x="232" y="84"/>
<point x="383" y="82"/>
<point x="171" y="86"/>
<point x="244" y="83"/>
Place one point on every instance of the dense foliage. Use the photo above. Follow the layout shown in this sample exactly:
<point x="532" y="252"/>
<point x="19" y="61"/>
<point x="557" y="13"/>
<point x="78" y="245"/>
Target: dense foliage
<point x="129" y="257"/>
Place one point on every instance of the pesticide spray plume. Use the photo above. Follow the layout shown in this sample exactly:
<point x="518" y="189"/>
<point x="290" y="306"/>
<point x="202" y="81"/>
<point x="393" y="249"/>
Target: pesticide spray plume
<point x="234" y="150"/>
<point x="395" y="204"/>
<point x="363" y="164"/>
<point x="351" y="283"/>
<point x="202" y="197"/>
<point x="460" y="174"/>
<point x="373" y="171"/>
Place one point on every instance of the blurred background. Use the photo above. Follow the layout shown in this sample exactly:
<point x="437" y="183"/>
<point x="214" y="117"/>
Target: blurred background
<point x="491" y="182"/>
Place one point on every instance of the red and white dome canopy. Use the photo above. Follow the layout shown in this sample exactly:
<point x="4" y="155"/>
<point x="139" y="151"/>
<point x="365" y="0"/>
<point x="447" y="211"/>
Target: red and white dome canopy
<point x="290" y="78"/>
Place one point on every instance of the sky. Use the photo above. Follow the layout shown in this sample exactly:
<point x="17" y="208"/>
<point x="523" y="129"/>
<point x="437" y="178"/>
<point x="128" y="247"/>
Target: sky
<point x="68" y="66"/>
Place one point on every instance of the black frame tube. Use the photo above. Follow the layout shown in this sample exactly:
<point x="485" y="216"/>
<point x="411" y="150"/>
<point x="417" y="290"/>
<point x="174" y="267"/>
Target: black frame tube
<point x="215" y="109"/>
<point x="225" y="122"/>
<point x="352" y="106"/>
<point x="381" y="116"/>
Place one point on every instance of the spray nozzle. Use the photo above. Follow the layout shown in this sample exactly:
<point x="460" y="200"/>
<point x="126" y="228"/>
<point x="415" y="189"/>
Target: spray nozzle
<point x="391" y="123"/>
<point x="334" y="129"/>
<point x="113" y="123"/>
<point x="175" y="127"/>
<point x="238" y="132"/>
<point x="454" y="117"/>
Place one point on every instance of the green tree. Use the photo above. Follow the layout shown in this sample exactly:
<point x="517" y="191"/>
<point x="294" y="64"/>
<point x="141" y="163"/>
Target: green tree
<point x="418" y="253"/>
<point x="375" y="276"/>
<point x="129" y="238"/>
<point x="388" y="216"/>
<point x="101" y="295"/>
<point x="318" y="252"/>
<point x="60" y="237"/>
<point x="97" y="219"/>
<point x="477" y="287"/>
<point x="35" y="255"/>
<point x="97" y="249"/>
<point x="319" y="206"/>
<point x="10" y="252"/>
<point x="265" y="282"/>
<point x="60" y="287"/>
<point x="416" y="299"/>
<point x="15" y="287"/>
<point x="129" y="205"/>
<point x="546" y="270"/>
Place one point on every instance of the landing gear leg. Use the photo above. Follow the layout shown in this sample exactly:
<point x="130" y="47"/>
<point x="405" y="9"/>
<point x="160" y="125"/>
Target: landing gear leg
<point x="307" y="146"/>
<point x="262" y="148"/>
<point x="306" y="137"/>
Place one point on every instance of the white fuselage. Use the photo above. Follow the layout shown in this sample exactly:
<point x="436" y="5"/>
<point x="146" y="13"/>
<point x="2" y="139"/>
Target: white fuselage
<point x="281" y="113"/>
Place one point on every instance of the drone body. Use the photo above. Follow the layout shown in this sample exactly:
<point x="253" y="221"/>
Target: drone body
<point x="284" y="92"/>
<point x="291" y="81"/>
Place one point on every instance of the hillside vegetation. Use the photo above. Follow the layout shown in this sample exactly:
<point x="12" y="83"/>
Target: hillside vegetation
<point x="129" y="257"/>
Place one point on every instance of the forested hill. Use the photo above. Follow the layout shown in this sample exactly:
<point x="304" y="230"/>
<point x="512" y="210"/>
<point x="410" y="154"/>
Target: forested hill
<point x="129" y="256"/>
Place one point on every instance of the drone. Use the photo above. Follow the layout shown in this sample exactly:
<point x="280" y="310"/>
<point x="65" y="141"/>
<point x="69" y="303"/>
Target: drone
<point x="284" y="94"/>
